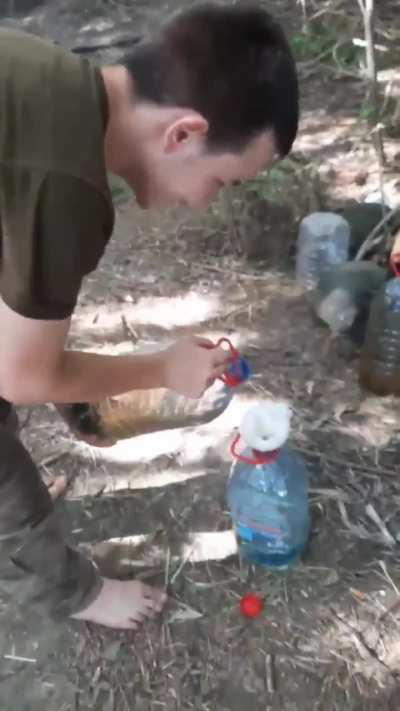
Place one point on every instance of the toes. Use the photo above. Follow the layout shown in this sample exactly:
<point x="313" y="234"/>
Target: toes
<point x="130" y="624"/>
<point x="150" y="607"/>
<point x="58" y="487"/>
<point x="146" y="612"/>
<point x="155" y="594"/>
<point x="143" y="615"/>
<point x="150" y="612"/>
<point x="154" y="599"/>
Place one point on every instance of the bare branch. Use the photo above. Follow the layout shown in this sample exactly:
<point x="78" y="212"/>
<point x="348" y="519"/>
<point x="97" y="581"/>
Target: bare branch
<point x="367" y="8"/>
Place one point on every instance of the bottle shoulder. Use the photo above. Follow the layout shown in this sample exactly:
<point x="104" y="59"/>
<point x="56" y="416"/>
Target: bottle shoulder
<point x="288" y="467"/>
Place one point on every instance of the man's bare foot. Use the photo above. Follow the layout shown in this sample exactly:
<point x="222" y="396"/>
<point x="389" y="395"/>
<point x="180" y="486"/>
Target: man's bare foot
<point x="58" y="487"/>
<point x="123" y="604"/>
<point x="8" y="417"/>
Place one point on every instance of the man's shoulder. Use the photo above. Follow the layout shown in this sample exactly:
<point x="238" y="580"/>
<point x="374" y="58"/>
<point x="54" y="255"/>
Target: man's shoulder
<point x="54" y="108"/>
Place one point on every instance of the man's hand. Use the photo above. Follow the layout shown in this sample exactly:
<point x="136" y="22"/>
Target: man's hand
<point x="192" y="364"/>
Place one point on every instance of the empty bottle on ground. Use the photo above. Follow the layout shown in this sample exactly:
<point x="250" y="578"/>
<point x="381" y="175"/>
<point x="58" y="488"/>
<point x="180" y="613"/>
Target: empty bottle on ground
<point x="323" y="241"/>
<point x="343" y="295"/>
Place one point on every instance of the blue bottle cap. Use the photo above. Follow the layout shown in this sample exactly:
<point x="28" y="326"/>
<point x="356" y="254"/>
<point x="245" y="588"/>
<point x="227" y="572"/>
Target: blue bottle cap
<point x="239" y="371"/>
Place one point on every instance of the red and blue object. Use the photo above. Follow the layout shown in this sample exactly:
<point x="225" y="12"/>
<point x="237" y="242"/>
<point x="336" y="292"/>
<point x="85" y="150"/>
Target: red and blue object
<point x="238" y="370"/>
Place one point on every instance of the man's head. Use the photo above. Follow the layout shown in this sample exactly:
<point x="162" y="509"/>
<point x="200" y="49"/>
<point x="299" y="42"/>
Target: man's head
<point x="212" y="99"/>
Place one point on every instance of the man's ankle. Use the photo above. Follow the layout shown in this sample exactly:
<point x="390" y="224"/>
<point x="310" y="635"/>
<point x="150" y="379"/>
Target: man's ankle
<point x="8" y="417"/>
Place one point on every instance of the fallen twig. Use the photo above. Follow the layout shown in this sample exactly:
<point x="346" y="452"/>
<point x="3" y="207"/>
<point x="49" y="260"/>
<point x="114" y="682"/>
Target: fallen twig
<point x="346" y="463"/>
<point x="269" y="673"/>
<point x="375" y="235"/>
<point x="52" y="458"/>
<point x="14" y="658"/>
<point x="374" y="516"/>
<point x="106" y="44"/>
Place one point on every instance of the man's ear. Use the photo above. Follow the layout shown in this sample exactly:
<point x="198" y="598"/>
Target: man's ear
<point x="184" y="130"/>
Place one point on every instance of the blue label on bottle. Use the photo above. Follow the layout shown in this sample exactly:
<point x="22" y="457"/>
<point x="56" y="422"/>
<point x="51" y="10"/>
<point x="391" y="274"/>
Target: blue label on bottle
<point x="268" y="533"/>
<point x="244" y="532"/>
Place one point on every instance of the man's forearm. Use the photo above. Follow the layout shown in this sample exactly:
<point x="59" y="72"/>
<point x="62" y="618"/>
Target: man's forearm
<point x="89" y="377"/>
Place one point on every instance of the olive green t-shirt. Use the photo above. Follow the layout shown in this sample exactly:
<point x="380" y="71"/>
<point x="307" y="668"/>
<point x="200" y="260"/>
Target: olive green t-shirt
<point x="56" y="212"/>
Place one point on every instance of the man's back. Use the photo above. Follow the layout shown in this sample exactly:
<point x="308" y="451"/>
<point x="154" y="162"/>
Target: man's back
<point x="52" y="110"/>
<point x="55" y="207"/>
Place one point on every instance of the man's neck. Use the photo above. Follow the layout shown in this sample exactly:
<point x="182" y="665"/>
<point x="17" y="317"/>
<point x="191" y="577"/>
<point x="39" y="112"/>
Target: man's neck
<point x="117" y="86"/>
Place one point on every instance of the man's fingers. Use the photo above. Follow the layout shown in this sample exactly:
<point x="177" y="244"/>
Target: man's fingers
<point x="220" y="357"/>
<point x="58" y="487"/>
<point x="203" y="342"/>
<point x="217" y="372"/>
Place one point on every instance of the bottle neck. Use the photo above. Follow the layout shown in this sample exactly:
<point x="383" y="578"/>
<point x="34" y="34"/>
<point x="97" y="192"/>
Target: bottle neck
<point x="258" y="458"/>
<point x="265" y="457"/>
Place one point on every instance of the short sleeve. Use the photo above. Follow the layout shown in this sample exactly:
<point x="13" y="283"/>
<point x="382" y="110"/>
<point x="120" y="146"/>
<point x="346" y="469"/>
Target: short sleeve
<point x="54" y="229"/>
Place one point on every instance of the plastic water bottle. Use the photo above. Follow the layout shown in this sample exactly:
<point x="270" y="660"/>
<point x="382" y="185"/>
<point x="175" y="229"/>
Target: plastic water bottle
<point x="380" y="355"/>
<point x="144" y="411"/>
<point x="267" y="490"/>
<point x="343" y="297"/>
<point x="323" y="241"/>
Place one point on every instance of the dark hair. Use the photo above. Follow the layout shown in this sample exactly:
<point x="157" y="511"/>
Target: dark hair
<point x="231" y="64"/>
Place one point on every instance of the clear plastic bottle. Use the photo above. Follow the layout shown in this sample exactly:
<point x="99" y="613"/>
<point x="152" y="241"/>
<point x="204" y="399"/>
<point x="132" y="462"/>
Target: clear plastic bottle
<point x="343" y="297"/>
<point x="379" y="369"/>
<point x="143" y="411"/>
<point x="323" y="241"/>
<point x="267" y="491"/>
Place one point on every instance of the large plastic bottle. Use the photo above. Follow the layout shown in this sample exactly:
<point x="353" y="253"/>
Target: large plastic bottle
<point x="323" y="240"/>
<point x="143" y="411"/>
<point x="379" y="369"/>
<point x="267" y="491"/>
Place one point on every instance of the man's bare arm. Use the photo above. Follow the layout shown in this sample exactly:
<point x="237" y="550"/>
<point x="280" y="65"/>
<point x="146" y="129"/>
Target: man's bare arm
<point x="35" y="367"/>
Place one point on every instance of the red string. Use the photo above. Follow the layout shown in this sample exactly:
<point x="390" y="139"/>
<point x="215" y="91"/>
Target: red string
<point x="229" y="378"/>
<point x="259" y="457"/>
<point x="234" y="352"/>
<point x="395" y="263"/>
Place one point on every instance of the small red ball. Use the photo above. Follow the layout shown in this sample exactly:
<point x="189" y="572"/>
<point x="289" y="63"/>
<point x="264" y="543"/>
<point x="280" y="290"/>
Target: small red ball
<point x="251" y="605"/>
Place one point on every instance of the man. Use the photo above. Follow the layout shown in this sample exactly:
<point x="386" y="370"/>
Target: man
<point x="210" y="100"/>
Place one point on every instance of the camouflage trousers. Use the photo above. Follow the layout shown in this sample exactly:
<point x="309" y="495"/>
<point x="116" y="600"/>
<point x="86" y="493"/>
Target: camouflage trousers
<point x="37" y="568"/>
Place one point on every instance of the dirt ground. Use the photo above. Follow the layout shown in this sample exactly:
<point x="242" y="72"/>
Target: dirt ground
<point x="329" y="636"/>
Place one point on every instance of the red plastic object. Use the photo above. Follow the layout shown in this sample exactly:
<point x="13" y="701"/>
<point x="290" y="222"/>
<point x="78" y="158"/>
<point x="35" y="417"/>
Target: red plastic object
<point x="228" y="378"/>
<point x="395" y="263"/>
<point x="241" y="369"/>
<point x="251" y="606"/>
<point x="258" y="457"/>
